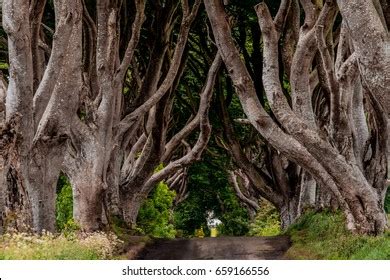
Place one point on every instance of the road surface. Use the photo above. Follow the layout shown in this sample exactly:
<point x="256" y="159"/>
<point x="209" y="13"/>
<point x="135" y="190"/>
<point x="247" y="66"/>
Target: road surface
<point x="234" y="248"/>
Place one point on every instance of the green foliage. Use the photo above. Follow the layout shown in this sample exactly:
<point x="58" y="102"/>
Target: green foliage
<point x="324" y="236"/>
<point x="267" y="221"/>
<point x="387" y="201"/>
<point x="286" y="84"/>
<point x="119" y="227"/>
<point x="4" y="66"/>
<point x="234" y="216"/>
<point x="210" y="191"/>
<point x="155" y="215"/>
<point x="64" y="205"/>
<point x="159" y="168"/>
<point x="70" y="228"/>
<point x="188" y="218"/>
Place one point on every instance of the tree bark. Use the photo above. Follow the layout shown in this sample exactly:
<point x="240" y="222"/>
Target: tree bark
<point x="43" y="128"/>
<point x="87" y="200"/>
<point x="371" y="42"/>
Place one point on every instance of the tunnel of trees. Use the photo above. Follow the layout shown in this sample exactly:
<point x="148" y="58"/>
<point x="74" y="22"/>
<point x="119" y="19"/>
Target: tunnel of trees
<point x="215" y="105"/>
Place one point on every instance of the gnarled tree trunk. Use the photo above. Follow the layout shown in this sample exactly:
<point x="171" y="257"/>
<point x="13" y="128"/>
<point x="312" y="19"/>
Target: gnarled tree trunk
<point x="332" y="167"/>
<point x="37" y="99"/>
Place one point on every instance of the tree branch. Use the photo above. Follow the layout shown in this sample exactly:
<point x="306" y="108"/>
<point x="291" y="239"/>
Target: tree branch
<point x="281" y="16"/>
<point x="241" y="196"/>
<point x="130" y="119"/>
<point x="135" y="35"/>
<point x="54" y="67"/>
<point x="205" y="131"/>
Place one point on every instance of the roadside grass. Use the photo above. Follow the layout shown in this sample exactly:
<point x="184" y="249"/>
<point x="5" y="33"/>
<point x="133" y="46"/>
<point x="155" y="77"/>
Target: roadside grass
<point x="75" y="246"/>
<point x="133" y="243"/>
<point x="323" y="236"/>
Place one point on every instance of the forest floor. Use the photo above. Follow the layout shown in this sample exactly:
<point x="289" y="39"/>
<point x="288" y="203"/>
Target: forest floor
<point x="236" y="248"/>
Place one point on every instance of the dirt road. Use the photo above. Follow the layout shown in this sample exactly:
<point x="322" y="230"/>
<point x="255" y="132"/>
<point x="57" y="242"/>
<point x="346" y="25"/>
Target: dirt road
<point x="236" y="248"/>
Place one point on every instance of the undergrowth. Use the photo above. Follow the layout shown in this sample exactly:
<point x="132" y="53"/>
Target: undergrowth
<point x="155" y="217"/>
<point x="47" y="246"/>
<point x="267" y="221"/>
<point x="324" y="236"/>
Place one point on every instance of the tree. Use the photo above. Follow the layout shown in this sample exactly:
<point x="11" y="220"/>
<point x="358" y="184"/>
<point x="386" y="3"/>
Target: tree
<point x="333" y="157"/>
<point x="35" y="103"/>
<point x="100" y="105"/>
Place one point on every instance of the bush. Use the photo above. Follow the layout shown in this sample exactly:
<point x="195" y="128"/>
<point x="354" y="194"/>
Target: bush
<point x="64" y="205"/>
<point x="324" y="236"/>
<point x="23" y="246"/>
<point x="155" y="215"/>
<point x="267" y="221"/>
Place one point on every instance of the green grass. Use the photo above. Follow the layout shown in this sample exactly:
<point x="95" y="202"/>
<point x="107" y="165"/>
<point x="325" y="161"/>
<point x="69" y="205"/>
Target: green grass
<point x="23" y="246"/>
<point x="323" y="236"/>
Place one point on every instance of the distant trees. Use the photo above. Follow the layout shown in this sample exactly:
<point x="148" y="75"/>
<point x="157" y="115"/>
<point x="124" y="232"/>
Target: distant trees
<point x="117" y="95"/>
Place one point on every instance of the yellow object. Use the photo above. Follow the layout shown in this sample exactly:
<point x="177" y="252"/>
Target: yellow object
<point x="199" y="232"/>
<point x="213" y="232"/>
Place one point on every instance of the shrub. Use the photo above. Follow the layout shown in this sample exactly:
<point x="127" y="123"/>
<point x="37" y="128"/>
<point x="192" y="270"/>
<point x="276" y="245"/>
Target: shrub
<point x="155" y="215"/>
<point x="267" y="221"/>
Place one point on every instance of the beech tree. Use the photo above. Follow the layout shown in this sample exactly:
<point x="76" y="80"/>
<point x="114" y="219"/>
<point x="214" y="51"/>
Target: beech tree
<point x="108" y="143"/>
<point x="354" y="173"/>
<point x="41" y="98"/>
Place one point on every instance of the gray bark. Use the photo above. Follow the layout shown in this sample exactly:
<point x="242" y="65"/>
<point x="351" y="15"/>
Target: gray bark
<point x="371" y="42"/>
<point x="43" y="128"/>
<point x="90" y="151"/>
<point x="301" y="143"/>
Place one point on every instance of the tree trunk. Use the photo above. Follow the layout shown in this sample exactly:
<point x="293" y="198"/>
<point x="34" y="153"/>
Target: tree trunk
<point x="17" y="212"/>
<point x="289" y="213"/>
<point x="87" y="200"/>
<point x="112" y="197"/>
<point x="3" y="193"/>
<point x="85" y="168"/>
<point x="43" y="206"/>
<point x="42" y="192"/>
<point x="39" y="104"/>
<point x="131" y="205"/>
<point x="307" y="196"/>
<point x="46" y="157"/>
